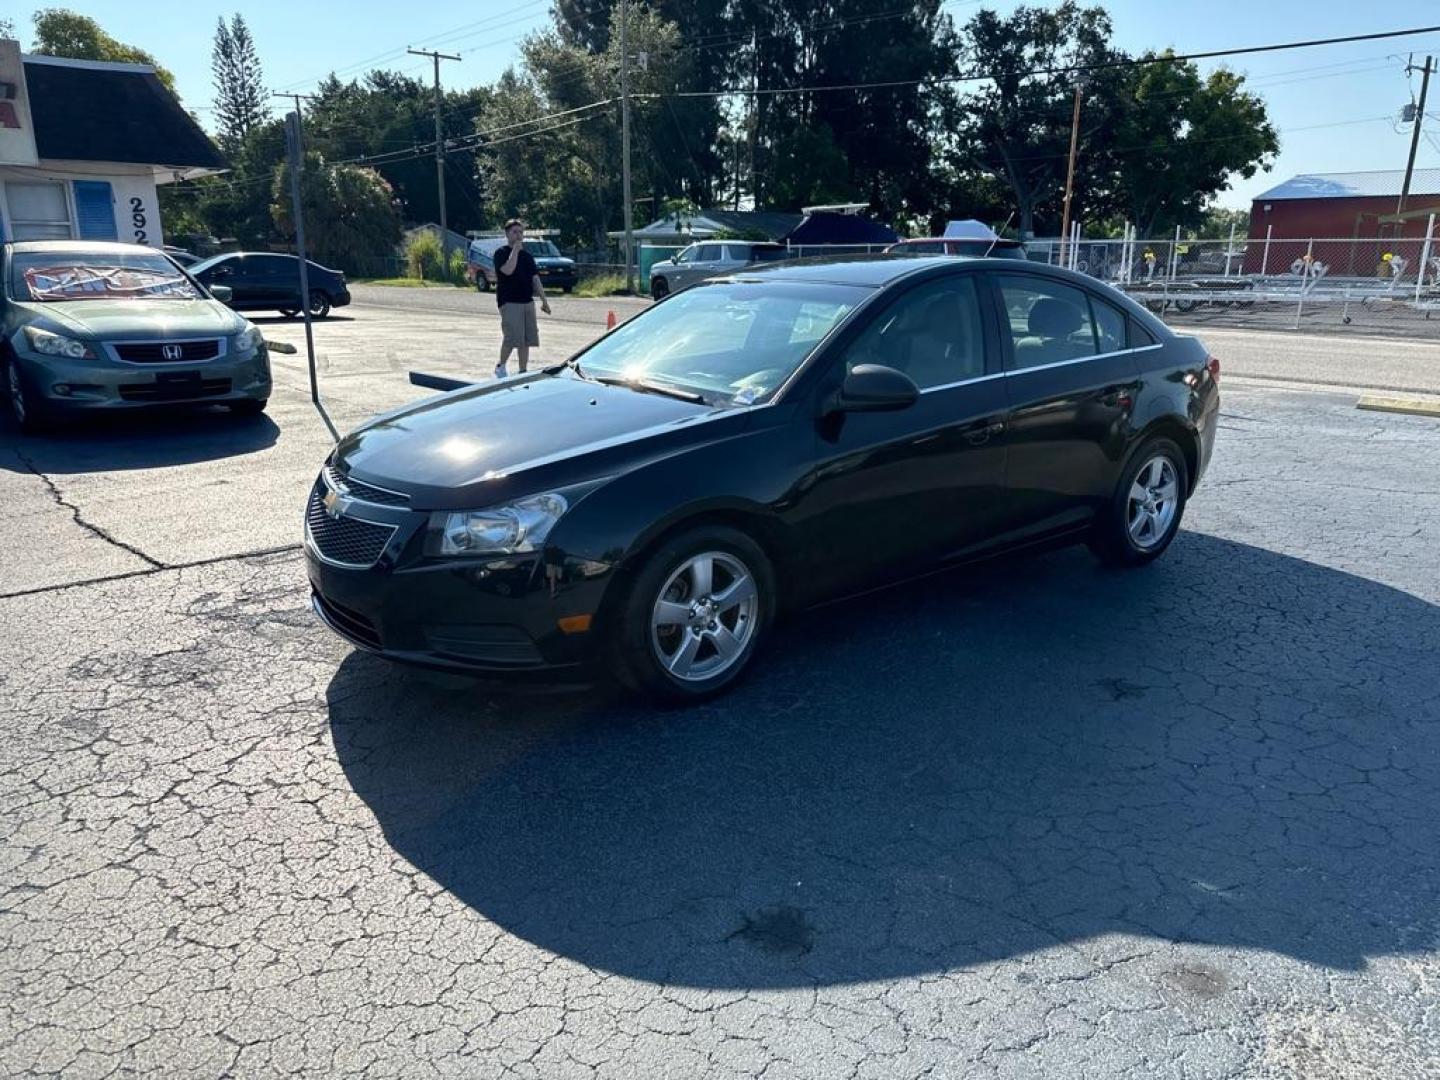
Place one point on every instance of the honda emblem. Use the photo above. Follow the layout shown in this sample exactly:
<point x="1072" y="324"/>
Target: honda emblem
<point x="172" y="352"/>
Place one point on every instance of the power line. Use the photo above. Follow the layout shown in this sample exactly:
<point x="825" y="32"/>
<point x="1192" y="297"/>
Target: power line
<point x="1071" y="69"/>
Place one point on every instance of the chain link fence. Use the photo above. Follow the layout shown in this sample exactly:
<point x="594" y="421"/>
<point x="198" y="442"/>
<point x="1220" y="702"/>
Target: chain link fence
<point x="1384" y="285"/>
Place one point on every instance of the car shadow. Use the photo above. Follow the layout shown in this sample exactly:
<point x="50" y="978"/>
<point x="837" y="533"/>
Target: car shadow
<point x="1231" y="747"/>
<point x="136" y="440"/>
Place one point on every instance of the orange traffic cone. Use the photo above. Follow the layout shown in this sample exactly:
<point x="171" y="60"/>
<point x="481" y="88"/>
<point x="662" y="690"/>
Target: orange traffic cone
<point x="610" y="320"/>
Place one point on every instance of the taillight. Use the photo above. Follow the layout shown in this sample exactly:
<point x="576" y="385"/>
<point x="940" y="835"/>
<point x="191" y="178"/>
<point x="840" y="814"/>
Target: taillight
<point x="1212" y="365"/>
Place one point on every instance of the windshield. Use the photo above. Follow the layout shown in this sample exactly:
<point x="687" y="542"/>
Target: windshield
<point x="733" y="342"/>
<point x="543" y="248"/>
<point x="49" y="276"/>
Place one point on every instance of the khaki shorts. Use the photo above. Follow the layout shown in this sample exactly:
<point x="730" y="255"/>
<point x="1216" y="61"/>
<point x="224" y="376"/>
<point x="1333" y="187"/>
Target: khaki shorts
<point x="518" y="326"/>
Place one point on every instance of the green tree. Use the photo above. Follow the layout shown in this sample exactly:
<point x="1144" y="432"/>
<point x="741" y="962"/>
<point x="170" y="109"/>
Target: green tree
<point x="351" y="216"/>
<point x="387" y="121"/>
<point x="884" y="134"/>
<point x="1015" y="125"/>
<point x="1178" y="137"/>
<point x="1216" y="222"/>
<point x="7" y="29"/>
<point x="565" y="172"/>
<point x="60" y="32"/>
<point x="240" y="101"/>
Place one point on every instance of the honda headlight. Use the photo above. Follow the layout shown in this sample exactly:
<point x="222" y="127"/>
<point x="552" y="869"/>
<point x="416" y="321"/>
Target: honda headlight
<point x="517" y="527"/>
<point x="249" y="338"/>
<point x="48" y="344"/>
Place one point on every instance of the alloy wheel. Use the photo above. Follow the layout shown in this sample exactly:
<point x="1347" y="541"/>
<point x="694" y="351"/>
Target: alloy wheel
<point x="705" y="616"/>
<point x="1154" y="498"/>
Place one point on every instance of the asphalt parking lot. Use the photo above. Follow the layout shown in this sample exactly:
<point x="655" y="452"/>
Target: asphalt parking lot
<point x="1037" y="819"/>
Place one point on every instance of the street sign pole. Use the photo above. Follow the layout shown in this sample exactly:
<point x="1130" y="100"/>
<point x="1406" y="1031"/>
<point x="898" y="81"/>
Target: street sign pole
<point x="295" y="146"/>
<point x="625" y="145"/>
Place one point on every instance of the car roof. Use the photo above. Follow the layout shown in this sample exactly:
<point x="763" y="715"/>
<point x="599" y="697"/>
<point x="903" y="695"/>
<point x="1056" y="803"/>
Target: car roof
<point x="875" y="271"/>
<point x="92" y="246"/>
<point x="999" y="241"/>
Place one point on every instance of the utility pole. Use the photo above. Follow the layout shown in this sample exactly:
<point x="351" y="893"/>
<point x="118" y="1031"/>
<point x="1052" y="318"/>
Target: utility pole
<point x="439" y="154"/>
<point x="1070" y="173"/>
<point x="1414" y="140"/>
<point x="625" y="145"/>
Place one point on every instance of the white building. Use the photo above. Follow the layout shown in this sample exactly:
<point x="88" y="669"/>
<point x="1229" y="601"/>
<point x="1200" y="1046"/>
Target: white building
<point x="83" y="145"/>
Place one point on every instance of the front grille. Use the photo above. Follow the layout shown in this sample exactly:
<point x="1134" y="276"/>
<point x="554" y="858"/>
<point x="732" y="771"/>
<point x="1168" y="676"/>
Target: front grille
<point x="345" y="540"/>
<point x="358" y="489"/>
<point x="176" y="390"/>
<point x="350" y="624"/>
<point x="153" y="352"/>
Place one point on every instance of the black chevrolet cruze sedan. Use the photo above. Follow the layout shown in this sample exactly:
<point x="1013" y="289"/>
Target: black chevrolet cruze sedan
<point x="761" y="442"/>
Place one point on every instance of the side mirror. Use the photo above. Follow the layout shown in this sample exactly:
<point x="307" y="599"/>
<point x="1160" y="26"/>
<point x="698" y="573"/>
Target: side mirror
<point x="875" y="388"/>
<point x="223" y="293"/>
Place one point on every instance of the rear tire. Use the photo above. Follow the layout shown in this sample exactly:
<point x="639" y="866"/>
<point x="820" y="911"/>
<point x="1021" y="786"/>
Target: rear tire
<point x="691" y="620"/>
<point x="1144" y="514"/>
<point x="290" y="312"/>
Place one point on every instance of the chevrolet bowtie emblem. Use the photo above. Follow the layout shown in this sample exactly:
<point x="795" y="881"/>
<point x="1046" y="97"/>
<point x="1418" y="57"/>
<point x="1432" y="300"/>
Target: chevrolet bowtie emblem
<point x="335" y="504"/>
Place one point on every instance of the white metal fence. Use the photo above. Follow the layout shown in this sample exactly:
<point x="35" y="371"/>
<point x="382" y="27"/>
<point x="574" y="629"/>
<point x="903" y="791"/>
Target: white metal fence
<point x="1375" y="283"/>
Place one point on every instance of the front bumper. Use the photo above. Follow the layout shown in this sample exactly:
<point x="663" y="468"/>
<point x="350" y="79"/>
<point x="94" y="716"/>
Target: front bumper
<point x="60" y="383"/>
<point x="560" y="278"/>
<point x="341" y="298"/>
<point x="494" y="616"/>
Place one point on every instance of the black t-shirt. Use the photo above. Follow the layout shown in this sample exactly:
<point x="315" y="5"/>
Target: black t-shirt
<point x="518" y="286"/>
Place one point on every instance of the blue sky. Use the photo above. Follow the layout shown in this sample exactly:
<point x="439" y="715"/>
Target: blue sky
<point x="1335" y="105"/>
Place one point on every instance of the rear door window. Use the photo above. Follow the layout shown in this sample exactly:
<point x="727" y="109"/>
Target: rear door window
<point x="1048" y="323"/>
<point x="1109" y="326"/>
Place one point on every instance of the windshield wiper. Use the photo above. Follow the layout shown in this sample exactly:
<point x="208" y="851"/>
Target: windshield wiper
<point x="650" y="387"/>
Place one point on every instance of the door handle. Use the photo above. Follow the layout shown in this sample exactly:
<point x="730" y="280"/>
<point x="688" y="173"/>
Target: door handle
<point x="981" y="434"/>
<point x="1121" y="396"/>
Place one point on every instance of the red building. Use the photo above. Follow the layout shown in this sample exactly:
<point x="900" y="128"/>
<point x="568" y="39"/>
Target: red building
<point x="1351" y="217"/>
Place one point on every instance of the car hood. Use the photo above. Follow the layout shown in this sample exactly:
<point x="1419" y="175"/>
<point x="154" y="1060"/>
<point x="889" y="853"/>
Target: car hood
<point x="137" y="320"/>
<point x="481" y="445"/>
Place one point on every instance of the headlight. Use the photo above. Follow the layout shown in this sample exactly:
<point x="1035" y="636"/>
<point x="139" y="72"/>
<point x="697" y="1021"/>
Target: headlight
<point x="249" y="338"/>
<point x="501" y="530"/>
<point x="48" y="344"/>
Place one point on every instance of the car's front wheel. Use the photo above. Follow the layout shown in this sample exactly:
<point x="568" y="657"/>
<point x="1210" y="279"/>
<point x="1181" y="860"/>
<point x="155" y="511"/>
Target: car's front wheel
<point x="694" y="615"/>
<point x="659" y="288"/>
<point x="30" y="416"/>
<point x="1144" y="514"/>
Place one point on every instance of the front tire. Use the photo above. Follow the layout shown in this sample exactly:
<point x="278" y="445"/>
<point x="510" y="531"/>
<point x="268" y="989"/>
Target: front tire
<point x="659" y="289"/>
<point x="1144" y="514"/>
<point x="693" y="617"/>
<point x="30" y="416"/>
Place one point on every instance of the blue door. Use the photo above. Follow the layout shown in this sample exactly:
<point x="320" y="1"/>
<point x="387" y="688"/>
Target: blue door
<point x="95" y="210"/>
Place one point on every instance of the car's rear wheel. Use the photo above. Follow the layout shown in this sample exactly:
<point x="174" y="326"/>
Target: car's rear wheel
<point x="30" y="416"/>
<point x="694" y="615"/>
<point x="659" y="288"/>
<point x="289" y="312"/>
<point x="1144" y="514"/>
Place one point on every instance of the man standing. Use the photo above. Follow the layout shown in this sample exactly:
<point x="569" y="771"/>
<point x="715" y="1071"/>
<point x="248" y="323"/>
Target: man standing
<point x="516" y="286"/>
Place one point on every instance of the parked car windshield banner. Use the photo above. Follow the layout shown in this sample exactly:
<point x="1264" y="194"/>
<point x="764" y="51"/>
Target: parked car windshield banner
<point x="98" y="281"/>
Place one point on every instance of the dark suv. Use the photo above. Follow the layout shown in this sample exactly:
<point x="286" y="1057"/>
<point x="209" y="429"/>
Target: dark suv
<point x="260" y="281"/>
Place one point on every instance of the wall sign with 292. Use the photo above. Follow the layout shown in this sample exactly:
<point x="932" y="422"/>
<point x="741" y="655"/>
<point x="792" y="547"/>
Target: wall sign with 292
<point x="139" y="219"/>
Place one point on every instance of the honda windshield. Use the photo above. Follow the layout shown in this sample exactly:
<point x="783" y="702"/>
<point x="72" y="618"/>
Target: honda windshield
<point x="51" y="276"/>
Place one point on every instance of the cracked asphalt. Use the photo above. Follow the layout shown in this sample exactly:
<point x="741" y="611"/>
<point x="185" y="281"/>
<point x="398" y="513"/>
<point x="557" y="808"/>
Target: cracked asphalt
<point x="1037" y="819"/>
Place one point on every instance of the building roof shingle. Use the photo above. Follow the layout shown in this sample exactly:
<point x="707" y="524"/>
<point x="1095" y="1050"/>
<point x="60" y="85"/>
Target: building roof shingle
<point x="84" y="111"/>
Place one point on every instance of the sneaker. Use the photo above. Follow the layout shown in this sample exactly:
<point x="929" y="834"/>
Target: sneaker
<point x="500" y="371"/>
